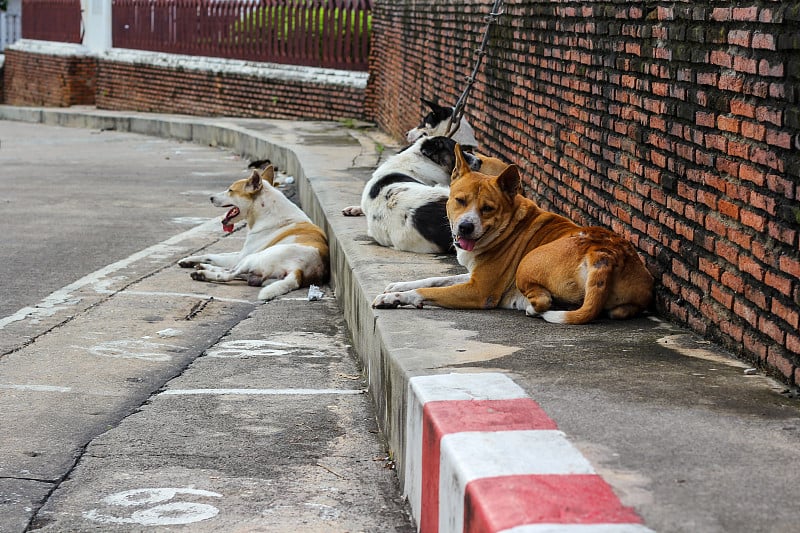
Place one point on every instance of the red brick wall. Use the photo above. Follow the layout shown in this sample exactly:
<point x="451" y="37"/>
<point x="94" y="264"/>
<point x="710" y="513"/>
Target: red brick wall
<point x="58" y="81"/>
<point x="139" y="87"/>
<point x="674" y="123"/>
<point x="48" y="80"/>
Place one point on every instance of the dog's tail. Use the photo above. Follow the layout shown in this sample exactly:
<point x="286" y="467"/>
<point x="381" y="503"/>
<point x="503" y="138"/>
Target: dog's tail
<point x="598" y="287"/>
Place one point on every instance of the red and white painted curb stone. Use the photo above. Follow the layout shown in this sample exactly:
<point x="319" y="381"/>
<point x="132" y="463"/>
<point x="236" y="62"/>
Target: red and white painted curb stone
<point x="482" y="456"/>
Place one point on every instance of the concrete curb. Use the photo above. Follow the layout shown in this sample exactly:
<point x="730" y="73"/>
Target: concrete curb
<point x="482" y="456"/>
<point x="474" y="452"/>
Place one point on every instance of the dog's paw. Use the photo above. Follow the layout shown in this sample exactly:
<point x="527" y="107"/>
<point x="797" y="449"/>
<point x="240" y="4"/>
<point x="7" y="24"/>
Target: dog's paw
<point x="389" y="300"/>
<point x="386" y="301"/>
<point x="353" y="211"/>
<point x="188" y="262"/>
<point x="198" y="275"/>
<point x="400" y="286"/>
<point x="530" y="311"/>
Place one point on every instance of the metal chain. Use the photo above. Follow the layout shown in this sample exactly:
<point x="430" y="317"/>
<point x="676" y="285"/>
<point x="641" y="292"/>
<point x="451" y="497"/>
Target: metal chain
<point x="458" y="110"/>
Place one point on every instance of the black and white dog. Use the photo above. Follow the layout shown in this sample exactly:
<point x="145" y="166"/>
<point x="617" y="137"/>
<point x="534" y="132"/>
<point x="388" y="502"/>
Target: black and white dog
<point x="436" y="123"/>
<point x="405" y="200"/>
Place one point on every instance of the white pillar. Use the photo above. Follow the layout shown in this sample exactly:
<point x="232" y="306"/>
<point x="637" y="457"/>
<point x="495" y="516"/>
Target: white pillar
<point x="96" y="17"/>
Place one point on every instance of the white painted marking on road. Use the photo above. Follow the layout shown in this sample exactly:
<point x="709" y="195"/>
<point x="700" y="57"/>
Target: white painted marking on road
<point x="63" y="297"/>
<point x="261" y="392"/>
<point x="243" y="349"/>
<point x="133" y="349"/>
<point x="174" y="513"/>
<point x="147" y="496"/>
<point x="301" y="344"/>
<point x="35" y="388"/>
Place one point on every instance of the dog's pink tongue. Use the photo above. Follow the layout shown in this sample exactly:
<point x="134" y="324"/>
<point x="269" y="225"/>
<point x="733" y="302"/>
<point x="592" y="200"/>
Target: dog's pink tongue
<point x="227" y="227"/>
<point x="466" y="244"/>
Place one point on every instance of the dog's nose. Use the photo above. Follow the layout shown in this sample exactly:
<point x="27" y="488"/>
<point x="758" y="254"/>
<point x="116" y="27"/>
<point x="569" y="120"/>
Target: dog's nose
<point x="466" y="228"/>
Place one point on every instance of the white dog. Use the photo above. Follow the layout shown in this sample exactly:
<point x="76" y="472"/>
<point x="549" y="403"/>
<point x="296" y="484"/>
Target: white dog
<point x="282" y="243"/>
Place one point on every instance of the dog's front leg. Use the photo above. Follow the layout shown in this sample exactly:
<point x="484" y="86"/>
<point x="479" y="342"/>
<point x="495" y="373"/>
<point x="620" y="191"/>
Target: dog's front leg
<point x="460" y="296"/>
<point x="442" y="281"/>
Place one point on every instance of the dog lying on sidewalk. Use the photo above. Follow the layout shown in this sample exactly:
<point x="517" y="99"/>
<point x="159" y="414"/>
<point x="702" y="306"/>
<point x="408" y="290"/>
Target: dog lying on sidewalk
<point x="404" y="200"/>
<point x="522" y="257"/>
<point x="282" y="243"/>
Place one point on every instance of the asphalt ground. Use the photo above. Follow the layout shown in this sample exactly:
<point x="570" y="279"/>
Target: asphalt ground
<point x="688" y="436"/>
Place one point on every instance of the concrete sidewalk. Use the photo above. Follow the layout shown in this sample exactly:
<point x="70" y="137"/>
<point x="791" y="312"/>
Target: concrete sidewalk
<point x="686" y="440"/>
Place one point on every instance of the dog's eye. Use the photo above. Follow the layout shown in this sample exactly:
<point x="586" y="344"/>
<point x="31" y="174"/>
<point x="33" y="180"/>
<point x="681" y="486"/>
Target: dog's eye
<point x="487" y="209"/>
<point x="460" y="201"/>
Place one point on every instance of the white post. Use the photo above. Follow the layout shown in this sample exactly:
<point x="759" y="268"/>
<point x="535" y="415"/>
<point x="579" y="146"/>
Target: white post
<point x="96" y="17"/>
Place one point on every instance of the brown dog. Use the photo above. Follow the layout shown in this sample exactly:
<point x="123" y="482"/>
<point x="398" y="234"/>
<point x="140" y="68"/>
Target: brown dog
<point x="521" y="257"/>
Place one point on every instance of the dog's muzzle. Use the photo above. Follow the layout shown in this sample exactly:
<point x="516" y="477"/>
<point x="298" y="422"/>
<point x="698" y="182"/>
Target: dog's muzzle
<point x="464" y="239"/>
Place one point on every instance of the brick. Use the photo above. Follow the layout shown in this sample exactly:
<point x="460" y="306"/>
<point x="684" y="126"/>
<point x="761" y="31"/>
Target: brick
<point x="780" y="363"/>
<point x="764" y="41"/>
<point x="732" y="329"/>
<point x="739" y="37"/>
<point x="724" y="297"/>
<point x="721" y="14"/>
<point x="781" y="139"/>
<point x="746" y="65"/>
<point x="753" y="130"/>
<point x="781" y="185"/>
<point x="788" y="314"/>
<point x="769" y="114"/>
<point x="753" y="220"/>
<point x="721" y="59"/>
<point x="772" y="329"/>
<point x="752" y="174"/>
<point x="745" y="14"/>
<point x="754" y="345"/>
<point x="743" y="108"/>
<point x="752" y="267"/>
<point x="765" y="68"/>
<point x="746" y="311"/>
<point x="767" y="157"/>
<point x="790" y="265"/>
<point x="782" y="233"/>
<point x="726" y="251"/>
<point x="729" y="124"/>
<point x="793" y="345"/>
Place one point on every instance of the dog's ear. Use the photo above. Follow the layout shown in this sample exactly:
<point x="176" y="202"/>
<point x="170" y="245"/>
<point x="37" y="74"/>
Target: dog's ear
<point x="440" y="112"/>
<point x="254" y="183"/>
<point x="461" y="167"/>
<point x="268" y="175"/>
<point x="509" y="181"/>
<point x="430" y="103"/>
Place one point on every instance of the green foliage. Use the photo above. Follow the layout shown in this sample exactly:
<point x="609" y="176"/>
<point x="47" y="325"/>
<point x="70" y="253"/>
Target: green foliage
<point x="288" y="21"/>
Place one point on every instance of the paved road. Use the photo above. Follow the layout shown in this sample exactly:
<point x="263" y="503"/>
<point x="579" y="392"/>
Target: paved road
<point x="76" y="200"/>
<point x="133" y="398"/>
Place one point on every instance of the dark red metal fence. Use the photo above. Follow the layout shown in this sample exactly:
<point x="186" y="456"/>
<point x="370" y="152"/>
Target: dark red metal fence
<point x="319" y="33"/>
<point x="52" y="20"/>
